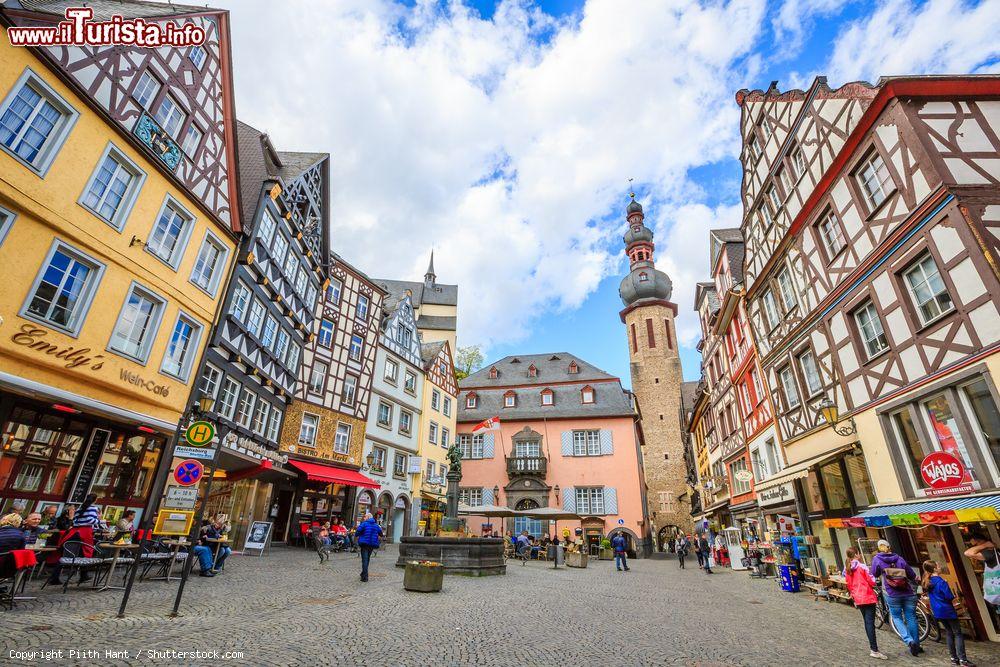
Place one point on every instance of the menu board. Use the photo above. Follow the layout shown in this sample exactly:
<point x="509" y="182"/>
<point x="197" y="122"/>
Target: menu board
<point x="88" y="466"/>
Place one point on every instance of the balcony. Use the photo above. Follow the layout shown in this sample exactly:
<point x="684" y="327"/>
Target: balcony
<point x="526" y="465"/>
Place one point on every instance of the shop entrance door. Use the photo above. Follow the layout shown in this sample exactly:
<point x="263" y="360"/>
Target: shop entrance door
<point x="733" y="541"/>
<point x="284" y="506"/>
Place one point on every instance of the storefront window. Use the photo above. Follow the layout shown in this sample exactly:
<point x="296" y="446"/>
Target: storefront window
<point x="814" y="499"/>
<point x="903" y="422"/>
<point x="39" y="451"/>
<point x="836" y="488"/>
<point x="861" y="483"/>
<point x="126" y="467"/>
<point x="944" y="427"/>
<point x="987" y="417"/>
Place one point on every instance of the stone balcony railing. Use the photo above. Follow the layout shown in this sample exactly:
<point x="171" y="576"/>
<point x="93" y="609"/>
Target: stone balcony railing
<point x="526" y="465"/>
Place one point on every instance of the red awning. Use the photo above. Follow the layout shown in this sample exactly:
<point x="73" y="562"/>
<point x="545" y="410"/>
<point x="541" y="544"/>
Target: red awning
<point x="264" y="465"/>
<point x="331" y="474"/>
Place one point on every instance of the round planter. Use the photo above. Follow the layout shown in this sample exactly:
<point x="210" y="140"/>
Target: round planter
<point x="423" y="578"/>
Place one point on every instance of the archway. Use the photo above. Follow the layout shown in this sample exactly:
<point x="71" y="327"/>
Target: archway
<point x="383" y="513"/>
<point x="522" y="523"/>
<point x="631" y="540"/>
<point x="665" y="538"/>
<point x="400" y="518"/>
<point x="365" y="503"/>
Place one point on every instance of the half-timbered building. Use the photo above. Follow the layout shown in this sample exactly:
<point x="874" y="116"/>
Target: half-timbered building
<point x="871" y="265"/>
<point x="437" y="432"/>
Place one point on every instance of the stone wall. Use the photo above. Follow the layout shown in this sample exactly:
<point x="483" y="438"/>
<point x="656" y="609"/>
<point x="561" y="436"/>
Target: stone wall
<point x="328" y="420"/>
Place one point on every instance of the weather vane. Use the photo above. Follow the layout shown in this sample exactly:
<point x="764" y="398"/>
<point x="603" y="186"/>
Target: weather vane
<point x="631" y="192"/>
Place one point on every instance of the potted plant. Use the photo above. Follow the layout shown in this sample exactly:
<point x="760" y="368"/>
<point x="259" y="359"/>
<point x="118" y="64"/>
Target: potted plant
<point x="576" y="558"/>
<point x="425" y="576"/>
<point x="606" y="552"/>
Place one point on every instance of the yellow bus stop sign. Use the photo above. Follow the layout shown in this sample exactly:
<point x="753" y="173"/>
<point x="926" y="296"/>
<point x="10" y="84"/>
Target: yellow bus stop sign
<point x="200" y="434"/>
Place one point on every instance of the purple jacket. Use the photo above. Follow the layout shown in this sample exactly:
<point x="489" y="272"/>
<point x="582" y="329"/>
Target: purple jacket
<point x="881" y="561"/>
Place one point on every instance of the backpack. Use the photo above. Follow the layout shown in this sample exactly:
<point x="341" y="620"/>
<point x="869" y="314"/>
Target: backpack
<point x="895" y="577"/>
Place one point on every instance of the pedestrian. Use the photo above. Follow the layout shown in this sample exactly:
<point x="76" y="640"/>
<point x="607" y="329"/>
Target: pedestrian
<point x="943" y="608"/>
<point x="681" y="549"/>
<point x="618" y="544"/>
<point x="706" y="551"/>
<point x="983" y="549"/>
<point x="861" y="586"/>
<point x="367" y="535"/>
<point x="698" y="552"/>
<point x="900" y="594"/>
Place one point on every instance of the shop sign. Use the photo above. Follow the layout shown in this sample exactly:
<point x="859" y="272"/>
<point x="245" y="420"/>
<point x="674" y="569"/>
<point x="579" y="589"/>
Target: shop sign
<point x="85" y="477"/>
<point x="743" y="475"/>
<point x="250" y="446"/>
<point x="257" y="535"/>
<point x="775" y="495"/>
<point x="415" y="465"/>
<point x="194" y="453"/>
<point x="180" y="498"/>
<point x="786" y="525"/>
<point x="31" y="337"/>
<point x="400" y="503"/>
<point x="941" y="470"/>
<point x="128" y="377"/>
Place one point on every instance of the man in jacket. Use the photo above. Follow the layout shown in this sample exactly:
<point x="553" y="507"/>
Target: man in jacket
<point x="368" y="535"/>
<point x="900" y="593"/>
<point x="706" y="551"/>
<point x="618" y="545"/>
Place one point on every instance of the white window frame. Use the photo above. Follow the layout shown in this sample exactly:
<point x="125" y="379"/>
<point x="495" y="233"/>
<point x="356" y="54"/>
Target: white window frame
<point x="255" y="323"/>
<point x="238" y="305"/>
<point x="408" y="386"/>
<point x="385" y="407"/>
<point x="131" y="193"/>
<point x="398" y="465"/>
<point x="590" y="500"/>
<point x="510" y="401"/>
<point x="274" y="424"/>
<point x="587" y="442"/>
<point x="390" y="372"/>
<point x="874" y="320"/>
<point x="194" y="342"/>
<point x="349" y="397"/>
<point x="786" y="289"/>
<point x="268" y="225"/>
<point x="379" y="457"/>
<point x="6" y="222"/>
<point x="432" y="433"/>
<point x="342" y="439"/>
<point x="308" y="431"/>
<point x="360" y="348"/>
<point x="228" y="410"/>
<point x="313" y="372"/>
<point x="408" y="429"/>
<point x="810" y="372"/>
<point x="587" y="395"/>
<point x="85" y="299"/>
<point x="281" y="342"/>
<point x="926" y="277"/>
<point x="334" y="291"/>
<point x="159" y="305"/>
<point x="769" y="308"/>
<point x="470" y="402"/>
<point x="320" y="337"/>
<point x="269" y="332"/>
<point x="363" y="306"/>
<point x="786" y="378"/>
<point x="436" y="400"/>
<point x="182" y="238"/>
<point x="831" y="234"/>
<point x="261" y="412"/>
<point x="445" y="437"/>
<point x="178" y="109"/>
<point x="244" y="417"/>
<point x="215" y="381"/>
<point x="186" y="146"/>
<point x="146" y="103"/>
<point x="197" y="62"/>
<point x="446" y="406"/>
<point x="218" y="270"/>
<point x="42" y="162"/>
<point x="278" y="257"/>
<point x="880" y="176"/>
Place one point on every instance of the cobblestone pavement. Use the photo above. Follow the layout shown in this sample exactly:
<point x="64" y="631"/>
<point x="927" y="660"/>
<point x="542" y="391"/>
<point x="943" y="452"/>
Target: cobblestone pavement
<point x="288" y="609"/>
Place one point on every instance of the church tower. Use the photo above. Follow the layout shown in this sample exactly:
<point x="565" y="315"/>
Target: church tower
<point x="656" y="379"/>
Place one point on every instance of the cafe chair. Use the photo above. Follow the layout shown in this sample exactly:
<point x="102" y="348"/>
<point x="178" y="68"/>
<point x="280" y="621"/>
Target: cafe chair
<point x="14" y="568"/>
<point x="75" y="560"/>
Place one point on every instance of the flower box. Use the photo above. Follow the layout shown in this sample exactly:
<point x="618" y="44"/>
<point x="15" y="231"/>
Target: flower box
<point x="423" y="576"/>
<point x="576" y="559"/>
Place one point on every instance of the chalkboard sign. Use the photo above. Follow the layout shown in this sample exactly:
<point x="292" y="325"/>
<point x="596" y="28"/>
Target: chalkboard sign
<point x="258" y="535"/>
<point x="85" y="476"/>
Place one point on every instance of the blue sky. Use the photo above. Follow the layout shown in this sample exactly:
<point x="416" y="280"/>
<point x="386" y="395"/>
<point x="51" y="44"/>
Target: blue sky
<point x="503" y="134"/>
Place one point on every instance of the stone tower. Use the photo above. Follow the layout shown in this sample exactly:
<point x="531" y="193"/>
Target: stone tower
<point x="656" y="379"/>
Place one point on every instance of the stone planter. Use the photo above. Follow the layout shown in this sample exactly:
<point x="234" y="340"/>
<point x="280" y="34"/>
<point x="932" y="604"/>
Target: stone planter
<point x="423" y="578"/>
<point x="576" y="559"/>
<point x="607" y="554"/>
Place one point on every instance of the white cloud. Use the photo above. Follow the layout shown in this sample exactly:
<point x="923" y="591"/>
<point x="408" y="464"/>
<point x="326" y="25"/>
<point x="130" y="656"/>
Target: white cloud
<point x="795" y="18"/>
<point x="504" y="143"/>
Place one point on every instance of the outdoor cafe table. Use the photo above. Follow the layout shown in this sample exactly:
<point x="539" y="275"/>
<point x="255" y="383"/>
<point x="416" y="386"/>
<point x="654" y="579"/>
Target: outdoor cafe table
<point x="176" y="546"/>
<point x="117" y="548"/>
<point x="218" y="542"/>
<point x="40" y="552"/>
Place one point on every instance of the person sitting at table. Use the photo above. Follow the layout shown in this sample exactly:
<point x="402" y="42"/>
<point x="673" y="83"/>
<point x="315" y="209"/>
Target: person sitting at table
<point x="11" y="534"/>
<point x="88" y="515"/>
<point x="324" y="534"/>
<point x="65" y="519"/>
<point x="32" y="526"/>
<point x="125" y="525"/>
<point x="205" y="549"/>
<point x="49" y="516"/>
<point x="338" y="533"/>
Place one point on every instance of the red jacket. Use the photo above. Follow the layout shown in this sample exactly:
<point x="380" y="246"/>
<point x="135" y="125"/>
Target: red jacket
<point x="860" y="583"/>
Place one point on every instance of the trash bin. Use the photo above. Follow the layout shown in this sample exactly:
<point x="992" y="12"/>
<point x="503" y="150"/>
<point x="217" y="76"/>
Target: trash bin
<point x="789" y="577"/>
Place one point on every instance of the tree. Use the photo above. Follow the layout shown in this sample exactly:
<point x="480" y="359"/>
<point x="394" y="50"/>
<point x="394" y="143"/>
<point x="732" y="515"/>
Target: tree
<point x="468" y="360"/>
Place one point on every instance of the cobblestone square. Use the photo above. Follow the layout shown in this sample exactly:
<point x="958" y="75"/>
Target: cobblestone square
<point x="288" y="609"/>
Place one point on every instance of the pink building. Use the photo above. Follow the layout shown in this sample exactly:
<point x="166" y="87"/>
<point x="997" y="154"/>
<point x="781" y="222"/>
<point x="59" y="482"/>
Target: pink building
<point x="569" y="438"/>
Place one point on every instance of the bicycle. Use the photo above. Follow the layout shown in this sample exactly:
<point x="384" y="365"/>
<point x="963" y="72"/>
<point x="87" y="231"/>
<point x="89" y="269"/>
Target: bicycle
<point x="925" y="622"/>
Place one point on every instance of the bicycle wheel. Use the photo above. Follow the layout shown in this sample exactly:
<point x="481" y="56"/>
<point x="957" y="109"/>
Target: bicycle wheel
<point x="881" y="614"/>
<point x="923" y="625"/>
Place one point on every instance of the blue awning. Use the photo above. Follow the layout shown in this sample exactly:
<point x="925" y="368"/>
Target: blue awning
<point x="944" y="504"/>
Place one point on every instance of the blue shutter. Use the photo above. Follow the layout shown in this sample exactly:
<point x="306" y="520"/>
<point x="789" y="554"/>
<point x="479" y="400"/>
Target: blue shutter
<point x="607" y="445"/>
<point x="488" y="445"/>
<point x="488" y="496"/>
<point x="567" y="443"/>
<point x="569" y="499"/>
<point x="610" y="501"/>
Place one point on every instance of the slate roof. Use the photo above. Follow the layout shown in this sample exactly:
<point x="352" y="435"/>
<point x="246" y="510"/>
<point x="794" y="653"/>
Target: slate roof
<point x="707" y="290"/>
<point x="736" y="252"/>
<point x="729" y="234"/>
<point x="610" y="400"/>
<point x="105" y="9"/>
<point x="440" y="295"/>
<point x="430" y="351"/>
<point x="549" y="370"/>
<point x="437" y="322"/>
<point x="688" y="390"/>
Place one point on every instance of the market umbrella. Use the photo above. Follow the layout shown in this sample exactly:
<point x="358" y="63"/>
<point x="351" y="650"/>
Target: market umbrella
<point x="551" y="513"/>
<point x="486" y="510"/>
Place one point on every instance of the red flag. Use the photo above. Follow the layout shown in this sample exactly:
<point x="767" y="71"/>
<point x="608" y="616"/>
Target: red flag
<point x="491" y="424"/>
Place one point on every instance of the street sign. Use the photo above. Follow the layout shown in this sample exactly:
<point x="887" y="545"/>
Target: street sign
<point x="621" y="522"/>
<point x="188" y="472"/>
<point x="180" y="498"/>
<point x="200" y="434"/>
<point x="194" y="453"/>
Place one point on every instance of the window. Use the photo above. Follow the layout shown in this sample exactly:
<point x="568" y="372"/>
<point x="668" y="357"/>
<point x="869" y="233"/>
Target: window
<point x="410" y="382"/>
<point x="311" y="296"/>
<point x="509" y="400"/>
<point x="798" y="162"/>
<point x="527" y="449"/>
<point x="787" y="379"/>
<point x="494" y="373"/>
<point x="770" y="308"/>
<point x="405" y="422"/>
<point x="391" y="371"/>
<point x="589" y="500"/>
<point x="317" y="377"/>
<point x="279" y="250"/>
<point x="145" y="91"/>
<point x="436" y="400"/>
<point x="308" y="428"/>
<point x="6" y="222"/>
<point x="301" y="281"/>
<point x="325" y="337"/>
<point x="830" y="235"/>
<point x="293" y="358"/>
<point x="34" y="121"/>
<point x="753" y="150"/>
<point x="333" y="291"/>
<point x="471" y="446"/>
<point x="378" y="459"/>
<point x="874" y="179"/>
<point x="766" y="218"/>
<point x="356" y="345"/>
<point x="169" y="116"/>
<point x="342" y="439"/>
<point x="274" y="425"/>
<point x="739" y="486"/>
<point x="192" y="140"/>
<point x="137" y="324"/>
<point x="227" y="401"/>
<point x="470" y="402"/>
<point x="532" y="371"/>
<point x="432" y="433"/>
<point x="404" y="335"/>
<point x="784" y="177"/>
<point x="807" y="362"/>
<point x="398" y="465"/>
<point x="870" y="329"/>
<point x="573" y="368"/>
<point x="362" y="307"/>
<point x="112" y="188"/>
<point x="181" y="348"/>
<point x="773" y="199"/>
<point x="384" y="414"/>
<point x="63" y="289"/>
<point x="758" y="387"/>
<point x="929" y="294"/>
<point x="210" y="377"/>
<point x="759" y="465"/>
<point x="291" y="264"/>
<point x="547" y="398"/>
<point x="267" y="226"/>
<point x="446" y="407"/>
<point x="260" y="413"/>
<point x="169" y="234"/>
<point x="197" y="56"/>
<point x="350" y="389"/>
<point x="281" y="345"/>
<point x="587" y="443"/>
<point x="256" y="317"/>
<point x="244" y="409"/>
<point x="471" y="497"/>
<point x="786" y="290"/>
<point x="587" y="395"/>
<point x="445" y="437"/>
<point x="269" y="332"/>
<point x="430" y="470"/>
<point x="208" y="267"/>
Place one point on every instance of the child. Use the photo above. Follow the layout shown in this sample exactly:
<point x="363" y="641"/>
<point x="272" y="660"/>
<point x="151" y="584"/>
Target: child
<point x="941" y="599"/>
<point x="861" y="585"/>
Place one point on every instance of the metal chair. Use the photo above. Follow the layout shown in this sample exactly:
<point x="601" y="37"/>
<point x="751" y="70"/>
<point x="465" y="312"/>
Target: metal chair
<point x="74" y="561"/>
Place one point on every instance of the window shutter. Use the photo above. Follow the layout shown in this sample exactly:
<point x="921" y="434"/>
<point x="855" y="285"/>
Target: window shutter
<point x="569" y="499"/>
<point x="610" y="501"/>
<point x="487" y="496"/>
<point x="567" y="443"/>
<point x="607" y="446"/>
<point x="488" y="445"/>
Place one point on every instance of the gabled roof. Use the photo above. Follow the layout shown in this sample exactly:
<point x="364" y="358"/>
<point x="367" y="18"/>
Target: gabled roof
<point x="429" y="351"/>
<point x="610" y="400"/>
<point x="440" y="295"/>
<point x="706" y="290"/>
<point x="688" y="390"/>
<point x="105" y="9"/>
<point x="549" y="371"/>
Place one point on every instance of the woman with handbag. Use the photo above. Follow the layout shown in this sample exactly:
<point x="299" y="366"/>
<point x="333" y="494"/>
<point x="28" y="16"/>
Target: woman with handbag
<point x="898" y="580"/>
<point x="861" y="586"/>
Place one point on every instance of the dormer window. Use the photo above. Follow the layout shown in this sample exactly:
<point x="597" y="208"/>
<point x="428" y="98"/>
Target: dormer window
<point x="573" y="367"/>
<point x="470" y="401"/>
<point x="510" y="399"/>
<point x="587" y="394"/>
<point x="643" y="277"/>
<point x="494" y="373"/>
<point x="532" y="371"/>
<point x="548" y="397"/>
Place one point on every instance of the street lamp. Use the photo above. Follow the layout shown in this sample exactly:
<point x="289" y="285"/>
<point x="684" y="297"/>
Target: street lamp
<point x="369" y="462"/>
<point x="205" y="403"/>
<point x="830" y="413"/>
<point x="496" y="494"/>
